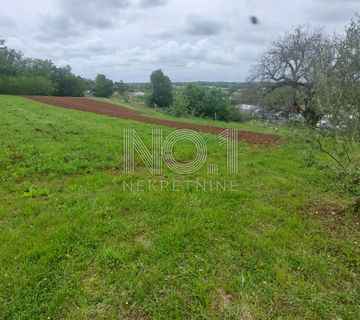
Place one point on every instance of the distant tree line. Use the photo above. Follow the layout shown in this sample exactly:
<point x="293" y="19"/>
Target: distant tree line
<point x="21" y="75"/>
<point x="25" y="76"/>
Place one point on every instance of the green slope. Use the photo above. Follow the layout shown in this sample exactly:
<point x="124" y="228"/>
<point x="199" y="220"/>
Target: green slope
<point x="74" y="244"/>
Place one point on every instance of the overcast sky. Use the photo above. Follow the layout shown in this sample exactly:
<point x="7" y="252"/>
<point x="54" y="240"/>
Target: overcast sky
<point x="189" y="39"/>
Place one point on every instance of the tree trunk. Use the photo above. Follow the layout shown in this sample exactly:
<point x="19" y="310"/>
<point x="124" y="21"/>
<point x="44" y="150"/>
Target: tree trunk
<point x="311" y="116"/>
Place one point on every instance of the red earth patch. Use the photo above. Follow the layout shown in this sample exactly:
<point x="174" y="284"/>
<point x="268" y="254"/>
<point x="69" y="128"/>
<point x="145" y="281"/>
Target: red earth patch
<point x="104" y="108"/>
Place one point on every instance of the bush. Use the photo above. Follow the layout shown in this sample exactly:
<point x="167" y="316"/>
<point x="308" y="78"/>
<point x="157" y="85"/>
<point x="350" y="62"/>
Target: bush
<point x="237" y="116"/>
<point x="180" y="106"/>
<point x="205" y="102"/>
<point x="23" y="85"/>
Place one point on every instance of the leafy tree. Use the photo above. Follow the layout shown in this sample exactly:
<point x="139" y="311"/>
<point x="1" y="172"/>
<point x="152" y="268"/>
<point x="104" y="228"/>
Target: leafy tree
<point x="337" y="80"/>
<point x="206" y="102"/>
<point x="38" y="67"/>
<point x="216" y="104"/>
<point x="103" y="87"/>
<point x="67" y="84"/>
<point x="10" y="60"/>
<point x="196" y="96"/>
<point x="161" y="91"/>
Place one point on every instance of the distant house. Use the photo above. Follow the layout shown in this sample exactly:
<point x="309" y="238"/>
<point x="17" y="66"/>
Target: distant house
<point x="137" y="93"/>
<point x="275" y="114"/>
<point x="255" y="111"/>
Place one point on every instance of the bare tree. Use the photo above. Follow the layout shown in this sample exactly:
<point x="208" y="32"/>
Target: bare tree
<point x="290" y="62"/>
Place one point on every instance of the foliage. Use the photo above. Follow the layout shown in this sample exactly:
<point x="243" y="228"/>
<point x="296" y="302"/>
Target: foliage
<point x="216" y="104"/>
<point x="205" y="103"/>
<point x="324" y="74"/>
<point x="235" y="115"/>
<point x="10" y="60"/>
<point x="275" y="100"/>
<point x="289" y="62"/>
<point x="338" y="84"/>
<point x="103" y="87"/>
<point x="337" y="80"/>
<point x="251" y="94"/>
<point x="122" y="90"/>
<point x="24" y="85"/>
<point x="38" y="67"/>
<point x="19" y="72"/>
<point x="196" y="96"/>
<point x="180" y="106"/>
<point x="280" y="100"/>
<point x="66" y="83"/>
<point x="161" y="90"/>
<point x="344" y="169"/>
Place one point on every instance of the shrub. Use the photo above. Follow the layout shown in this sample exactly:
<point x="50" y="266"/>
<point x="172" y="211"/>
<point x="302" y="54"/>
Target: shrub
<point x="180" y="106"/>
<point x="237" y="116"/>
<point x="205" y="102"/>
<point x="23" y="85"/>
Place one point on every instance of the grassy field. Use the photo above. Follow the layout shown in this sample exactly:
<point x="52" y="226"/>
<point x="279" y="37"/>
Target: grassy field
<point x="76" y="244"/>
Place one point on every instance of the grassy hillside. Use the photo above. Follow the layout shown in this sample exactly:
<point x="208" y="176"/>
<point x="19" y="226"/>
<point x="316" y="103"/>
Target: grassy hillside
<point x="74" y="244"/>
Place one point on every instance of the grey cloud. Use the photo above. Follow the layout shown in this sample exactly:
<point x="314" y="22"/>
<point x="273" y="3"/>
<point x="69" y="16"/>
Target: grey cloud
<point x="91" y="48"/>
<point x="94" y="13"/>
<point x="76" y="17"/>
<point x="58" y="27"/>
<point x="182" y="54"/>
<point x="170" y="54"/>
<point x="160" y="34"/>
<point x="199" y="26"/>
<point x="6" y="22"/>
<point x="152" y="3"/>
<point x="335" y="11"/>
<point x="251" y="38"/>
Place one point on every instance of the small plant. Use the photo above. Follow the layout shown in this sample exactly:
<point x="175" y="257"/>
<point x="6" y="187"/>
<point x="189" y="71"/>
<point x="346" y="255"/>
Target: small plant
<point x="30" y="191"/>
<point x="112" y="258"/>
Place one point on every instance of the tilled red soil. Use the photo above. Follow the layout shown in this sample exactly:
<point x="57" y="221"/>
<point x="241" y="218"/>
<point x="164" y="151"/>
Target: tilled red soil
<point x="104" y="108"/>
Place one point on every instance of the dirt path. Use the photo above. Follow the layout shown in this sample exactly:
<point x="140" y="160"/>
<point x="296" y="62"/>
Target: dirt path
<point x="104" y="108"/>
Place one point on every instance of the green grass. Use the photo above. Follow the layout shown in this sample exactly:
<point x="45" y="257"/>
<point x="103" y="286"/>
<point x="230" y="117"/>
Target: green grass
<point x="74" y="244"/>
